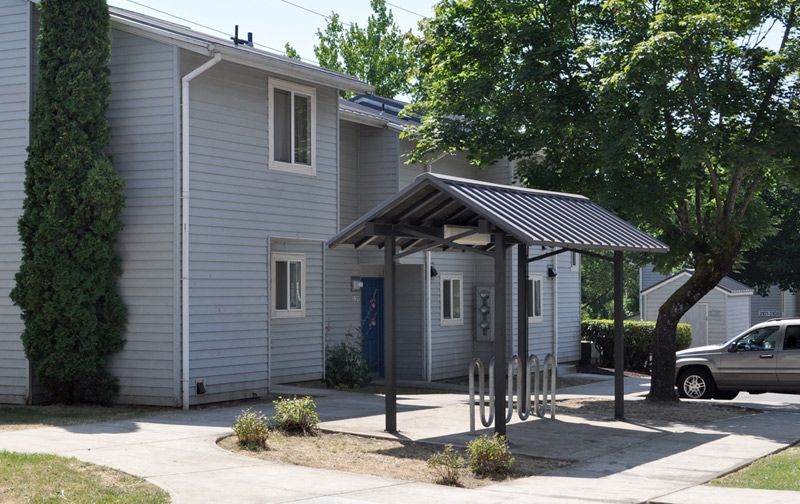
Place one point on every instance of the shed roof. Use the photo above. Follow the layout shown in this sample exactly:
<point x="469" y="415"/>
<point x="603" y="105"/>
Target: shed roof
<point x="727" y="285"/>
<point x="531" y="217"/>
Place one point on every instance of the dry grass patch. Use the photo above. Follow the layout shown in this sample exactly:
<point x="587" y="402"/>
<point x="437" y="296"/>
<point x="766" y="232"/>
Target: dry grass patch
<point x="60" y="415"/>
<point x="376" y="456"/>
<point x="695" y="413"/>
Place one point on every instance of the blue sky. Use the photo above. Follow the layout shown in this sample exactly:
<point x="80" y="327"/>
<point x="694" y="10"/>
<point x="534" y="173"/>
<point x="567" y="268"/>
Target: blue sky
<point x="274" y="22"/>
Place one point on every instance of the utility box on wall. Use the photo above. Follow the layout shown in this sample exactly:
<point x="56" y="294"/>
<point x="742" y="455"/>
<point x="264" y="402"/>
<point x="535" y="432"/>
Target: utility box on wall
<point x="484" y="313"/>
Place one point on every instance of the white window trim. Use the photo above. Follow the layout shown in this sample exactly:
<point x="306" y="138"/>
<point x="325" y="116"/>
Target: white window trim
<point x="289" y="312"/>
<point x="449" y="277"/>
<point x="292" y="88"/>
<point x="534" y="279"/>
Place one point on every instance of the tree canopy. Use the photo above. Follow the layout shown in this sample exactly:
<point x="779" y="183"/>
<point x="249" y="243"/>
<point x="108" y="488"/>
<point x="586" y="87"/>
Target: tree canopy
<point x="673" y="114"/>
<point x="378" y="54"/>
<point x="66" y="286"/>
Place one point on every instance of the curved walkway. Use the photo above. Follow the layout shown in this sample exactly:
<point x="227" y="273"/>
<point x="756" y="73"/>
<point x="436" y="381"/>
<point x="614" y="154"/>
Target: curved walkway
<point x="621" y="462"/>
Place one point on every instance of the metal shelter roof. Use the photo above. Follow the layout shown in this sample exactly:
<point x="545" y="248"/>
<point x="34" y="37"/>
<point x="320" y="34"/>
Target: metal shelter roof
<point x="419" y="212"/>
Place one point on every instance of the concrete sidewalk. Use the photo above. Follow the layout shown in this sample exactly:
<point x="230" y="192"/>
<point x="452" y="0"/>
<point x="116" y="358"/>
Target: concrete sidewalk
<point x="617" y="461"/>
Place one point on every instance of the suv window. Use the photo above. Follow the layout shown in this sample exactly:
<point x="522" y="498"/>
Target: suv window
<point x="791" y="338"/>
<point x="763" y="338"/>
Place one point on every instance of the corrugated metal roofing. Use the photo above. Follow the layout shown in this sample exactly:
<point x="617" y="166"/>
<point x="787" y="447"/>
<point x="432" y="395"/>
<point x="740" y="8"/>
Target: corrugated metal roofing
<point x="527" y="216"/>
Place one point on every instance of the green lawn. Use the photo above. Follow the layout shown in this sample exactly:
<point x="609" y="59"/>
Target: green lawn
<point x="780" y="471"/>
<point x="48" y="478"/>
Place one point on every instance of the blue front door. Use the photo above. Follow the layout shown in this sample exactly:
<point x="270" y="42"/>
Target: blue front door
<point x="372" y="322"/>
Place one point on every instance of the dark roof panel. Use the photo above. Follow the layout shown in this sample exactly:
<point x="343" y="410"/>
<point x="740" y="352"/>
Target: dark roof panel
<point x="528" y="216"/>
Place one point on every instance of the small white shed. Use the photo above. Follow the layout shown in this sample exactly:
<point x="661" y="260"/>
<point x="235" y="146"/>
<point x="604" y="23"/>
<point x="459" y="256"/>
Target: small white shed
<point x="718" y="316"/>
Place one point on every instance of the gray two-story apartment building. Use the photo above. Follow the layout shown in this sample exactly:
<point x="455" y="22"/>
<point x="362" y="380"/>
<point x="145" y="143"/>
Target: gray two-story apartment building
<point x="239" y="165"/>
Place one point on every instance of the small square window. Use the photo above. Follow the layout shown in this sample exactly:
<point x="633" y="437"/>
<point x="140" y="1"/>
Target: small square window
<point x="452" y="295"/>
<point x="292" y="127"/>
<point x="288" y="285"/>
<point x="534" y="298"/>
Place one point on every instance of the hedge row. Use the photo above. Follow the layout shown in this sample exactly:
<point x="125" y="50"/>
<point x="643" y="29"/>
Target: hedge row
<point x="638" y="341"/>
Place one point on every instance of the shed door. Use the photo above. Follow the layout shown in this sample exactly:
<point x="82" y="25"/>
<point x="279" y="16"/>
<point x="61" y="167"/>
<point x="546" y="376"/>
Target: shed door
<point x="697" y="317"/>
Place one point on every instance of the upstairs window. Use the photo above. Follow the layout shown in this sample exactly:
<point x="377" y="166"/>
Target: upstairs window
<point x="292" y="127"/>
<point x="452" y="296"/>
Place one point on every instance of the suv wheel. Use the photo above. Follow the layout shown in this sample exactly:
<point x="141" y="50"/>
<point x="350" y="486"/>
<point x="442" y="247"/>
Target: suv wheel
<point x="696" y="383"/>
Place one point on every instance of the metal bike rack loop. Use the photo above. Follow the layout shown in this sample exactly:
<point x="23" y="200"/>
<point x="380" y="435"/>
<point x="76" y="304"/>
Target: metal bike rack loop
<point x="546" y="389"/>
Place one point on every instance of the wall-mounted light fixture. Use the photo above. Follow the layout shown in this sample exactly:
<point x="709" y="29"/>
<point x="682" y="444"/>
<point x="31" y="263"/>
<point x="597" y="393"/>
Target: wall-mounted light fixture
<point x="434" y="272"/>
<point x="356" y="284"/>
<point x="551" y="273"/>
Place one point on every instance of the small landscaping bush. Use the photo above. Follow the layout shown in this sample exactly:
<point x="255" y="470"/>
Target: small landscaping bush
<point x="447" y="466"/>
<point x="490" y="456"/>
<point x="346" y="366"/>
<point x="252" y="429"/>
<point x="638" y="341"/>
<point x="296" y="415"/>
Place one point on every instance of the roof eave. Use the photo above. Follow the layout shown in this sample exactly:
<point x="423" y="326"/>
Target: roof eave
<point x="243" y="56"/>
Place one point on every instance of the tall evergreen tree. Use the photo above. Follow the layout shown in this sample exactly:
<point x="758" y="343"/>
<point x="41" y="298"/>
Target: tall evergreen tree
<point x="67" y="283"/>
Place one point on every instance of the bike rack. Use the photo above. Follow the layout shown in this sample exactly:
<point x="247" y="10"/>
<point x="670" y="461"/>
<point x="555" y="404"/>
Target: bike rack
<point x="523" y="404"/>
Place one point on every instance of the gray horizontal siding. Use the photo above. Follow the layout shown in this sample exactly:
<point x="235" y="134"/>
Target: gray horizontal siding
<point x="348" y="173"/>
<point x="15" y="54"/>
<point x="237" y="204"/>
<point x="296" y="344"/>
<point x="142" y="113"/>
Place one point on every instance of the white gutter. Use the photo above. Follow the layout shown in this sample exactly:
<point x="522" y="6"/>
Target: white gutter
<point x="185" y="222"/>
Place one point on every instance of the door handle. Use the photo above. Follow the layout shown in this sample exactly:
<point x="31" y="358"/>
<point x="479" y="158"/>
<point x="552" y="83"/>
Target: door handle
<point x="765" y="356"/>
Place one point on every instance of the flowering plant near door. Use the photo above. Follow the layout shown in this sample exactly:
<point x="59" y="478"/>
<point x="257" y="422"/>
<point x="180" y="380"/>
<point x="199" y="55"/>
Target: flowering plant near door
<point x="346" y="366"/>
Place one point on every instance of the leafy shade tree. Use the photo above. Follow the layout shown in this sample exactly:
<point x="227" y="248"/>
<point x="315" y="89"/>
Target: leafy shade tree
<point x="777" y="260"/>
<point x="66" y="286"/>
<point x="378" y="54"/>
<point x="674" y="114"/>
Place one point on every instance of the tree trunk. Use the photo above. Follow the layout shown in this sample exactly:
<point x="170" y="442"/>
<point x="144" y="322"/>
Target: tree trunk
<point x="707" y="274"/>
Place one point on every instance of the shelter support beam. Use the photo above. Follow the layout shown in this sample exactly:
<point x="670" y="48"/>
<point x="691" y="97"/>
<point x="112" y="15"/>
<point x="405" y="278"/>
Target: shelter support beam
<point x="522" y="307"/>
<point x="619" y="340"/>
<point x="499" y="332"/>
<point x="390" y="332"/>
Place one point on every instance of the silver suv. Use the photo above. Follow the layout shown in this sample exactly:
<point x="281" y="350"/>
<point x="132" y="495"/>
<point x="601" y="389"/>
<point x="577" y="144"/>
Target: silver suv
<point x="765" y="358"/>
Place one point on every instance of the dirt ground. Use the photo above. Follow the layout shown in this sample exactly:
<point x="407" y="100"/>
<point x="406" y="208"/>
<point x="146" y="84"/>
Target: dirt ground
<point x="379" y="457"/>
<point x="408" y="460"/>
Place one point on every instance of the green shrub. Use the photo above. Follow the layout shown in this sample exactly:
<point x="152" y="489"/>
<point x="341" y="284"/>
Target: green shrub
<point x="252" y="429"/>
<point x="447" y="466"/>
<point x="638" y="341"/>
<point x="296" y="415"/>
<point x="490" y="456"/>
<point x="346" y="366"/>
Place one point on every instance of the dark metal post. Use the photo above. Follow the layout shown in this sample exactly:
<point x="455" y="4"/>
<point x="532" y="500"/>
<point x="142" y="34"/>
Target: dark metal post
<point x="619" y="340"/>
<point x="499" y="333"/>
<point x="390" y="332"/>
<point x="522" y="310"/>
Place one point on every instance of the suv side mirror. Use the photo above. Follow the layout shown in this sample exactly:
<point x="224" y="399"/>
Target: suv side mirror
<point x="733" y="347"/>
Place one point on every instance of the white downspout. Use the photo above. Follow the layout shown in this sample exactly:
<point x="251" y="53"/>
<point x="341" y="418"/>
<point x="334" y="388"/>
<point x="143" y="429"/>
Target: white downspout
<point x="185" y="222"/>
